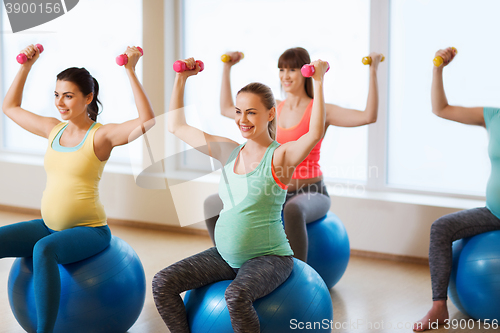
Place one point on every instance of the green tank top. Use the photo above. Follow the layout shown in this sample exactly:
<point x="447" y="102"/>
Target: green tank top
<point x="250" y="225"/>
<point x="492" y="121"/>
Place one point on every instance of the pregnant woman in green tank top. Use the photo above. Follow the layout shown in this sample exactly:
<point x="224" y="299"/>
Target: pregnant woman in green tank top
<point x="251" y="246"/>
<point x="465" y="223"/>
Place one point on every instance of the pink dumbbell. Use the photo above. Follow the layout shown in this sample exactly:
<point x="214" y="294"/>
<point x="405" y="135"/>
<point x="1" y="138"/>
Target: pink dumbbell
<point x="122" y="59"/>
<point x="180" y="66"/>
<point x="308" y="70"/>
<point x="22" y="58"/>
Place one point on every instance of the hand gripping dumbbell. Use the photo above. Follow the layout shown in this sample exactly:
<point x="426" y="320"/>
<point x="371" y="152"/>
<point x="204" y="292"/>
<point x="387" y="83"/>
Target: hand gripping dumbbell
<point x="22" y="58"/>
<point x="180" y="66"/>
<point x="227" y="58"/>
<point x="368" y="60"/>
<point x="122" y="59"/>
<point x="438" y="61"/>
<point x="308" y="70"/>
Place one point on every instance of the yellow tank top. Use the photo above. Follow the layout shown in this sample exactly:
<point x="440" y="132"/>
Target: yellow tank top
<point x="71" y="196"/>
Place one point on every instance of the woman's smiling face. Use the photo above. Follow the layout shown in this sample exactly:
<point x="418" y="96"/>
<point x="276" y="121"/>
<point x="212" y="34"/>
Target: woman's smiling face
<point x="69" y="100"/>
<point x="252" y="117"/>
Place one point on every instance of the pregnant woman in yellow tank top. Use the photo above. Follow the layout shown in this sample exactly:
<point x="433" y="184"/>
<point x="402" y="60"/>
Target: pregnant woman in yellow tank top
<point x="73" y="225"/>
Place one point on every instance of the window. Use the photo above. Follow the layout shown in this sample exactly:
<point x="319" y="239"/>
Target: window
<point x="425" y="151"/>
<point x="89" y="36"/>
<point x="263" y="30"/>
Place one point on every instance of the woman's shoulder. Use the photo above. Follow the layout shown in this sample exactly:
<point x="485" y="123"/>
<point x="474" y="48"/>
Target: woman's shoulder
<point x="278" y="149"/>
<point x="104" y="128"/>
<point x="57" y="126"/>
<point x="99" y="133"/>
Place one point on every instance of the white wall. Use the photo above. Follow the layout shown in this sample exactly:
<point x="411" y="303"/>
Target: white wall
<point x="386" y="226"/>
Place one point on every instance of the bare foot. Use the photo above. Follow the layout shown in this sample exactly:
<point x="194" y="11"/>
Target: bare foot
<point x="436" y="315"/>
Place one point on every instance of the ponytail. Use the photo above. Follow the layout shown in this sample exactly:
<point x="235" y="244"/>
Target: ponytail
<point x="93" y="108"/>
<point x="271" y="128"/>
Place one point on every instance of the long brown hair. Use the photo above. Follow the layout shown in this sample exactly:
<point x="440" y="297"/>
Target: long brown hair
<point x="296" y="58"/>
<point x="266" y="95"/>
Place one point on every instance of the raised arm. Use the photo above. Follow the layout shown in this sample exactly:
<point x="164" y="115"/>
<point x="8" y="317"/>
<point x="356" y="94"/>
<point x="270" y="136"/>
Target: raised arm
<point x="11" y="106"/>
<point x="294" y="152"/>
<point x="112" y="135"/>
<point x="212" y="145"/>
<point x="339" y="116"/>
<point x="440" y="106"/>
<point x="226" y="96"/>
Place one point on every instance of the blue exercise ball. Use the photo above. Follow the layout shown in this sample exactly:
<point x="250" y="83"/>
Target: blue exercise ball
<point x="328" y="250"/>
<point x="101" y="294"/>
<point x="474" y="285"/>
<point x="302" y="298"/>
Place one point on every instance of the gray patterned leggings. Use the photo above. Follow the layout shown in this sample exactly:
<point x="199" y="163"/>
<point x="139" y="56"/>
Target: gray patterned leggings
<point x="255" y="279"/>
<point x="447" y="229"/>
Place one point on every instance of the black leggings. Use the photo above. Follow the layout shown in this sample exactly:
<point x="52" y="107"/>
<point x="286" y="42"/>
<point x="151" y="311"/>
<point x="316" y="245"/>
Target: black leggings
<point x="256" y="278"/>
<point x="301" y="207"/>
<point x="444" y="231"/>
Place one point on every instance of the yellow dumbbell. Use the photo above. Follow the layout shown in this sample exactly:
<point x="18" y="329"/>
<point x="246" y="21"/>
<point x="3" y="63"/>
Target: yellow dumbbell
<point x="438" y="61"/>
<point x="368" y="60"/>
<point x="227" y="58"/>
